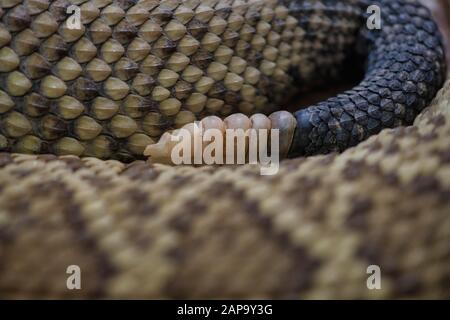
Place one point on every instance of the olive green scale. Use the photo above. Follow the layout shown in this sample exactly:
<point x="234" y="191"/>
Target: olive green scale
<point x="135" y="69"/>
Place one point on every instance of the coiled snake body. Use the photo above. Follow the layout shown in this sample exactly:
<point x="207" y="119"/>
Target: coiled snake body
<point x="135" y="69"/>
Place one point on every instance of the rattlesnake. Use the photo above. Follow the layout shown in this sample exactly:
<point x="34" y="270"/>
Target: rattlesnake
<point x="154" y="231"/>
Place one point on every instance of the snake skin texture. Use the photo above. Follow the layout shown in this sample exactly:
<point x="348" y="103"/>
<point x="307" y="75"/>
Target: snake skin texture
<point x="405" y="68"/>
<point x="154" y="231"/>
<point x="137" y="69"/>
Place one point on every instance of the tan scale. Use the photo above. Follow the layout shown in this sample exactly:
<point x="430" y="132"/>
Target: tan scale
<point x="111" y="51"/>
<point x="28" y="144"/>
<point x="167" y="78"/>
<point x="137" y="14"/>
<point x="115" y="88"/>
<point x="70" y="108"/>
<point x="68" y="146"/>
<point x="16" y="125"/>
<point x="6" y="103"/>
<point x="151" y="65"/>
<point x="52" y="47"/>
<point x="99" y="31"/>
<point x="223" y="54"/>
<point x="177" y="62"/>
<point x="9" y="3"/>
<point x="44" y="25"/>
<point x="9" y="60"/>
<point x="36" y="66"/>
<point x="98" y="70"/>
<point x="35" y="105"/>
<point x="211" y="42"/>
<point x="71" y="34"/>
<point x="53" y="87"/>
<point x="138" y="49"/>
<point x="122" y="126"/>
<point x="125" y="69"/>
<point x="17" y="84"/>
<point x="196" y="102"/>
<point x="89" y="12"/>
<point x="84" y="50"/>
<point x="170" y="107"/>
<point x="143" y="84"/>
<point x="86" y="128"/>
<point x="5" y="36"/>
<point x="68" y="69"/>
<point x="160" y="93"/>
<point x="138" y="142"/>
<point x="112" y="14"/>
<point x="135" y="106"/>
<point x="204" y="84"/>
<point x="104" y="108"/>
<point x="51" y="127"/>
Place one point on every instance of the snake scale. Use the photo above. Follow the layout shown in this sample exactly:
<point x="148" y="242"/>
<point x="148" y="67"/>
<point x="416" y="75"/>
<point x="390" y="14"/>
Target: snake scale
<point x="78" y="106"/>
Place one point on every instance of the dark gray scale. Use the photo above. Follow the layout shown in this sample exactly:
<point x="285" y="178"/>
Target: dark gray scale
<point x="405" y="68"/>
